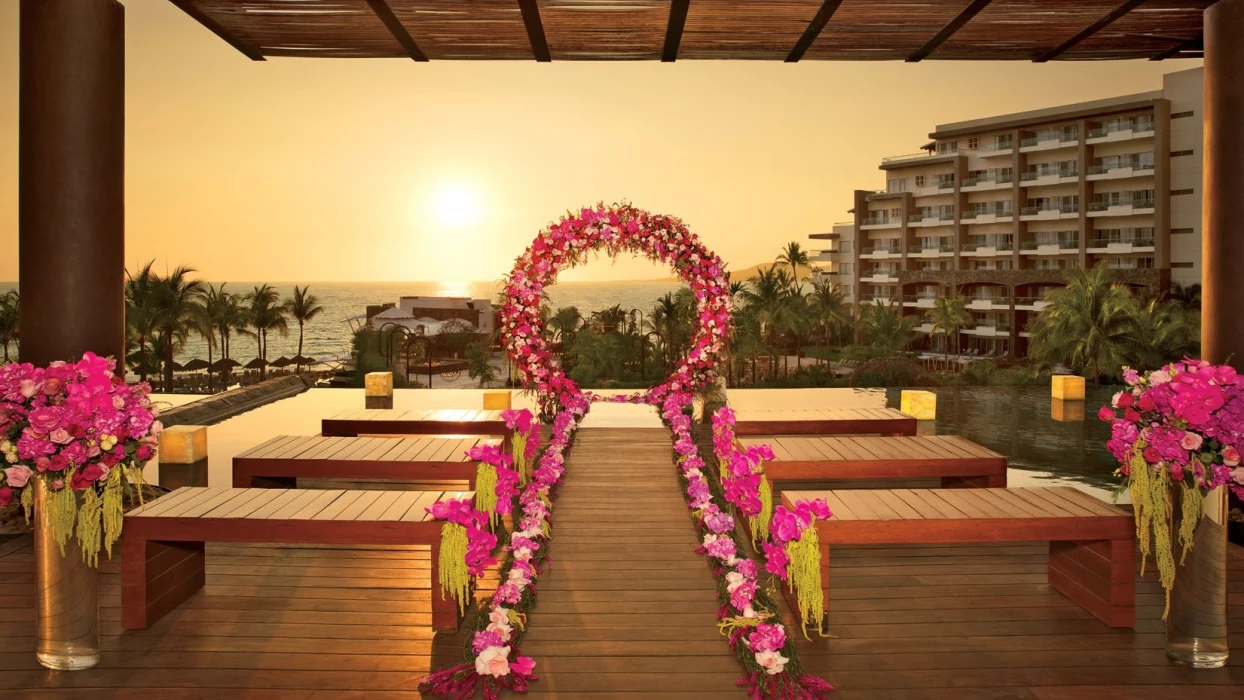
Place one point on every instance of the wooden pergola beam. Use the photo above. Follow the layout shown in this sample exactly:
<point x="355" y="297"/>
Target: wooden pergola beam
<point x="823" y="15"/>
<point x="248" y="50"/>
<point x="385" y="13"/>
<point x="673" y="31"/>
<point x="951" y="27"/>
<point x="535" y="30"/>
<point x="1195" y="43"/>
<point x="1089" y="31"/>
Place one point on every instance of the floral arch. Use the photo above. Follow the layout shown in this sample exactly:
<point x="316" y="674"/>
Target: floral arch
<point x="614" y="229"/>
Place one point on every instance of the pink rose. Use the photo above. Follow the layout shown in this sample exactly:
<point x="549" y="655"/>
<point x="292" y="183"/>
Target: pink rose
<point x="1105" y="414"/>
<point x="493" y="661"/>
<point x="60" y="436"/>
<point x="29" y="388"/>
<point x="17" y="476"/>
<point x="1230" y="456"/>
<point x="1237" y="475"/>
<point x="1190" y="441"/>
<point x="44" y="420"/>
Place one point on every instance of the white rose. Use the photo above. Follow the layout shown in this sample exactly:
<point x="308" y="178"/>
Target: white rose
<point x="493" y="661"/>
<point x="771" y="661"/>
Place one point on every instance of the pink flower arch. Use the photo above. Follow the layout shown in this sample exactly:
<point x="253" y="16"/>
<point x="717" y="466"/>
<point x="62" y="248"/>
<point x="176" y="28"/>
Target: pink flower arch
<point x="614" y="229"/>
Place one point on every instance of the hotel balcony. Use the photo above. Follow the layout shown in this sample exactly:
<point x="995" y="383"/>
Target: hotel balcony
<point x="982" y="184"/>
<point x="1120" y="171"/>
<point x="1049" y="177"/>
<point x="924" y="328"/>
<point x="919" y="301"/>
<point x="919" y="250"/>
<point x="987" y="249"/>
<point x="1061" y="247"/>
<point x="1122" y="207"/>
<point x="875" y="222"/>
<point x="1124" y="131"/>
<point x="1111" y="246"/>
<point x="1030" y="303"/>
<point x="830" y="255"/>
<point x="1049" y="211"/>
<point x="878" y="298"/>
<point x="1048" y="142"/>
<point x="880" y="277"/>
<point x="881" y="252"/>
<point x="988" y="216"/>
<point x="998" y="303"/>
<point x="993" y="150"/>
<point x="1000" y="330"/>
<point x="916" y="158"/>
<point x="933" y="218"/>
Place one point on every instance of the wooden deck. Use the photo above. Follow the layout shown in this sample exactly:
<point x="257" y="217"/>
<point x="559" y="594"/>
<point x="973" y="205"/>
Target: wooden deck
<point x="952" y="459"/>
<point x="914" y="622"/>
<point x="398" y="421"/>
<point x="825" y="421"/>
<point x="283" y="459"/>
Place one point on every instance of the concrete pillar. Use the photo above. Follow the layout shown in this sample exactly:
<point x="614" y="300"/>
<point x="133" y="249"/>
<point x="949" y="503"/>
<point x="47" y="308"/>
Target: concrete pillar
<point x="71" y="175"/>
<point x="1222" y="242"/>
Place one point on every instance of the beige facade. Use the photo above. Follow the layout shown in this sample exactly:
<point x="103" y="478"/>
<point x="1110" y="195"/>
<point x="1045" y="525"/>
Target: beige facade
<point x="999" y="209"/>
<point x="834" y="259"/>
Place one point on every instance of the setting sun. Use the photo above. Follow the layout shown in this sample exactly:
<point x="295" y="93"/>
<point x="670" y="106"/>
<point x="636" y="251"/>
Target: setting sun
<point x="455" y="205"/>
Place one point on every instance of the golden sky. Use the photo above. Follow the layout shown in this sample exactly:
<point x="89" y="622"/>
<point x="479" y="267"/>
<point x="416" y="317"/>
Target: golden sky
<point x="298" y="170"/>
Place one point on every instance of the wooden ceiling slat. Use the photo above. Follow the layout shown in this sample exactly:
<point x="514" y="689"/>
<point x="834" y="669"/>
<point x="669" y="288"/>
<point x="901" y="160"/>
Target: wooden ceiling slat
<point x="673" y="31"/>
<point x="815" y="27"/>
<point x="385" y="13"/>
<point x="535" y="30"/>
<point x="951" y="27"/>
<point x="1195" y="44"/>
<point x="791" y="30"/>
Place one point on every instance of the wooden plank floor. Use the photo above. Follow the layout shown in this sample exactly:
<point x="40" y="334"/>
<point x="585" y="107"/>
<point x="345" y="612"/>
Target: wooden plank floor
<point x="334" y="623"/>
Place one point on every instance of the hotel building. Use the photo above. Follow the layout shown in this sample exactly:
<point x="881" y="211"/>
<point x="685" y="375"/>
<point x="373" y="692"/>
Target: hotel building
<point x="1000" y="209"/>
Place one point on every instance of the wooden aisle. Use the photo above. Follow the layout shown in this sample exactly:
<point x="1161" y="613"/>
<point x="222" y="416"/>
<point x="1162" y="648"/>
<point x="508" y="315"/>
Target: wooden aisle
<point x="627" y="607"/>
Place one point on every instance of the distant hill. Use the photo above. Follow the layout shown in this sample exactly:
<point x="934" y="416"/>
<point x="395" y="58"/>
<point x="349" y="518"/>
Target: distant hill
<point x="750" y="272"/>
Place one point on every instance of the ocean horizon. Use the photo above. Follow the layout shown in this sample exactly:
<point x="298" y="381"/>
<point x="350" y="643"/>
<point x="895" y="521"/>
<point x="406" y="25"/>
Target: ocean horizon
<point x="328" y="335"/>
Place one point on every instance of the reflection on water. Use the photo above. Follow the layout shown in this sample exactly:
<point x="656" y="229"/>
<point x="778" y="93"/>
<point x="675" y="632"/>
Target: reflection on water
<point x="1046" y="442"/>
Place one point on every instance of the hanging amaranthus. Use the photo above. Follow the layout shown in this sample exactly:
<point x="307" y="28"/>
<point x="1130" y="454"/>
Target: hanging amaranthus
<point x="453" y="577"/>
<point x="804" y="572"/>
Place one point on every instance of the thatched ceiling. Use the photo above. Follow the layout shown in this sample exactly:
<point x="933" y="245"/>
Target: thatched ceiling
<point x="775" y="30"/>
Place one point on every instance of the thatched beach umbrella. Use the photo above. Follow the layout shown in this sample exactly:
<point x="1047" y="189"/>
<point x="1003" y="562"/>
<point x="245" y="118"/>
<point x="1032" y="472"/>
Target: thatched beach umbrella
<point x="281" y="361"/>
<point x="256" y="363"/>
<point x="196" y="365"/>
<point x="177" y="367"/>
<point x="225" y="364"/>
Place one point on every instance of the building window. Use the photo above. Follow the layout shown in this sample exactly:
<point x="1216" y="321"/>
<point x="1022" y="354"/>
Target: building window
<point x="844" y="247"/>
<point x="1182" y="115"/>
<point x="919" y="181"/>
<point x="1181" y="264"/>
<point x="973" y="143"/>
<point x="1175" y="192"/>
<point x="845" y="268"/>
<point x="896" y="213"/>
<point x="898" y="185"/>
<point x="1176" y="154"/>
<point x="1183" y="230"/>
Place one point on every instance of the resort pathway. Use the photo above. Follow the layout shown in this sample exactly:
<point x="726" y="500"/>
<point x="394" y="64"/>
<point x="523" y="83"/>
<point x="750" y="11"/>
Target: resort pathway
<point x="627" y="607"/>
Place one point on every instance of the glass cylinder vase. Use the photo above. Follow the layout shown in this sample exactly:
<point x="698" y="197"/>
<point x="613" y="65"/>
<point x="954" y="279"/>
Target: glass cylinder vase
<point x="1196" y="625"/>
<point x="67" y="605"/>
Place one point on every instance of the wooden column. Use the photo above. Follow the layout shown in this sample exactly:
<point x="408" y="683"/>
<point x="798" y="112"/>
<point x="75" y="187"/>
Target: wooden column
<point x="1222" y="245"/>
<point x="71" y="175"/>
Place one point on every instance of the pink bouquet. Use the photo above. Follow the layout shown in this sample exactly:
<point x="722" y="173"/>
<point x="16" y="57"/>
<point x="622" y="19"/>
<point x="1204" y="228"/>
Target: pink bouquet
<point x="1176" y="428"/>
<point x="86" y="433"/>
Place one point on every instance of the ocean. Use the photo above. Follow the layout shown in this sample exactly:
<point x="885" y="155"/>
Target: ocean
<point x="328" y="336"/>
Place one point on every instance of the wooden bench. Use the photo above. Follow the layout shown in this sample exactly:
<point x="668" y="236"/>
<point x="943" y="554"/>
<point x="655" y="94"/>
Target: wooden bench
<point x="1092" y="544"/>
<point x="279" y="462"/>
<point x="825" y="421"/>
<point x="956" y="461"/>
<point x="162" y="552"/>
<point x="400" y="421"/>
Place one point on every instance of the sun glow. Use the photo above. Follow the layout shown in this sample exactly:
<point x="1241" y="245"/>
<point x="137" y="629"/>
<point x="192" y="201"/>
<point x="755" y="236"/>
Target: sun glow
<point x="455" y="205"/>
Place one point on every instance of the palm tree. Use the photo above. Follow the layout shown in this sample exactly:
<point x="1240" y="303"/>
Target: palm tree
<point x="1170" y="332"/>
<point x="566" y="321"/>
<point x="948" y="316"/>
<point x="885" y="327"/>
<point x="769" y="297"/>
<point x="175" y="308"/>
<point x="139" y="314"/>
<point x="10" y="319"/>
<point x="794" y="255"/>
<point x="220" y="310"/>
<point x="1188" y="297"/>
<point x="828" y="309"/>
<point x="1090" y="325"/>
<point x="303" y="307"/>
<point x="265" y="313"/>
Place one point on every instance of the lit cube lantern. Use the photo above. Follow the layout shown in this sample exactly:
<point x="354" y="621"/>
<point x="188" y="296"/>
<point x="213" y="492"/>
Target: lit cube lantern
<point x="921" y="405"/>
<point x="1067" y="411"/>
<point x="183" y="444"/>
<point x="1067" y="387"/>
<point x="378" y="384"/>
<point x="496" y="400"/>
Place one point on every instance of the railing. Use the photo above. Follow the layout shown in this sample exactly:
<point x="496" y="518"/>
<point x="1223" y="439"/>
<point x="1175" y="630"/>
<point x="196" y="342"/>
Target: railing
<point x="1062" y="208"/>
<point x="1137" y="126"/>
<point x="932" y="216"/>
<point x="877" y="221"/>
<point x="939" y="247"/>
<point x="1134" y="203"/>
<point x="1038" y="174"/>
<point x="945" y="184"/>
<point x="1134" y="242"/>
<point x="1062" y="244"/>
<point x="1046" y="137"/>
<point x="892" y="250"/>
<point x="1105" y="167"/>
<point x="916" y="298"/>
<point x="1004" y="211"/>
<point x="909" y="156"/>
<point x="991" y="300"/>
<point x="1030" y="301"/>
<point x="877" y="297"/>
<point x="995" y="147"/>
<point x="997" y="245"/>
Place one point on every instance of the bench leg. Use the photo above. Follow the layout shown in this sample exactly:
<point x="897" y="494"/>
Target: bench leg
<point x="444" y="609"/>
<point x="156" y="577"/>
<point x="1099" y="576"/>
<point x="793" y="603"/>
